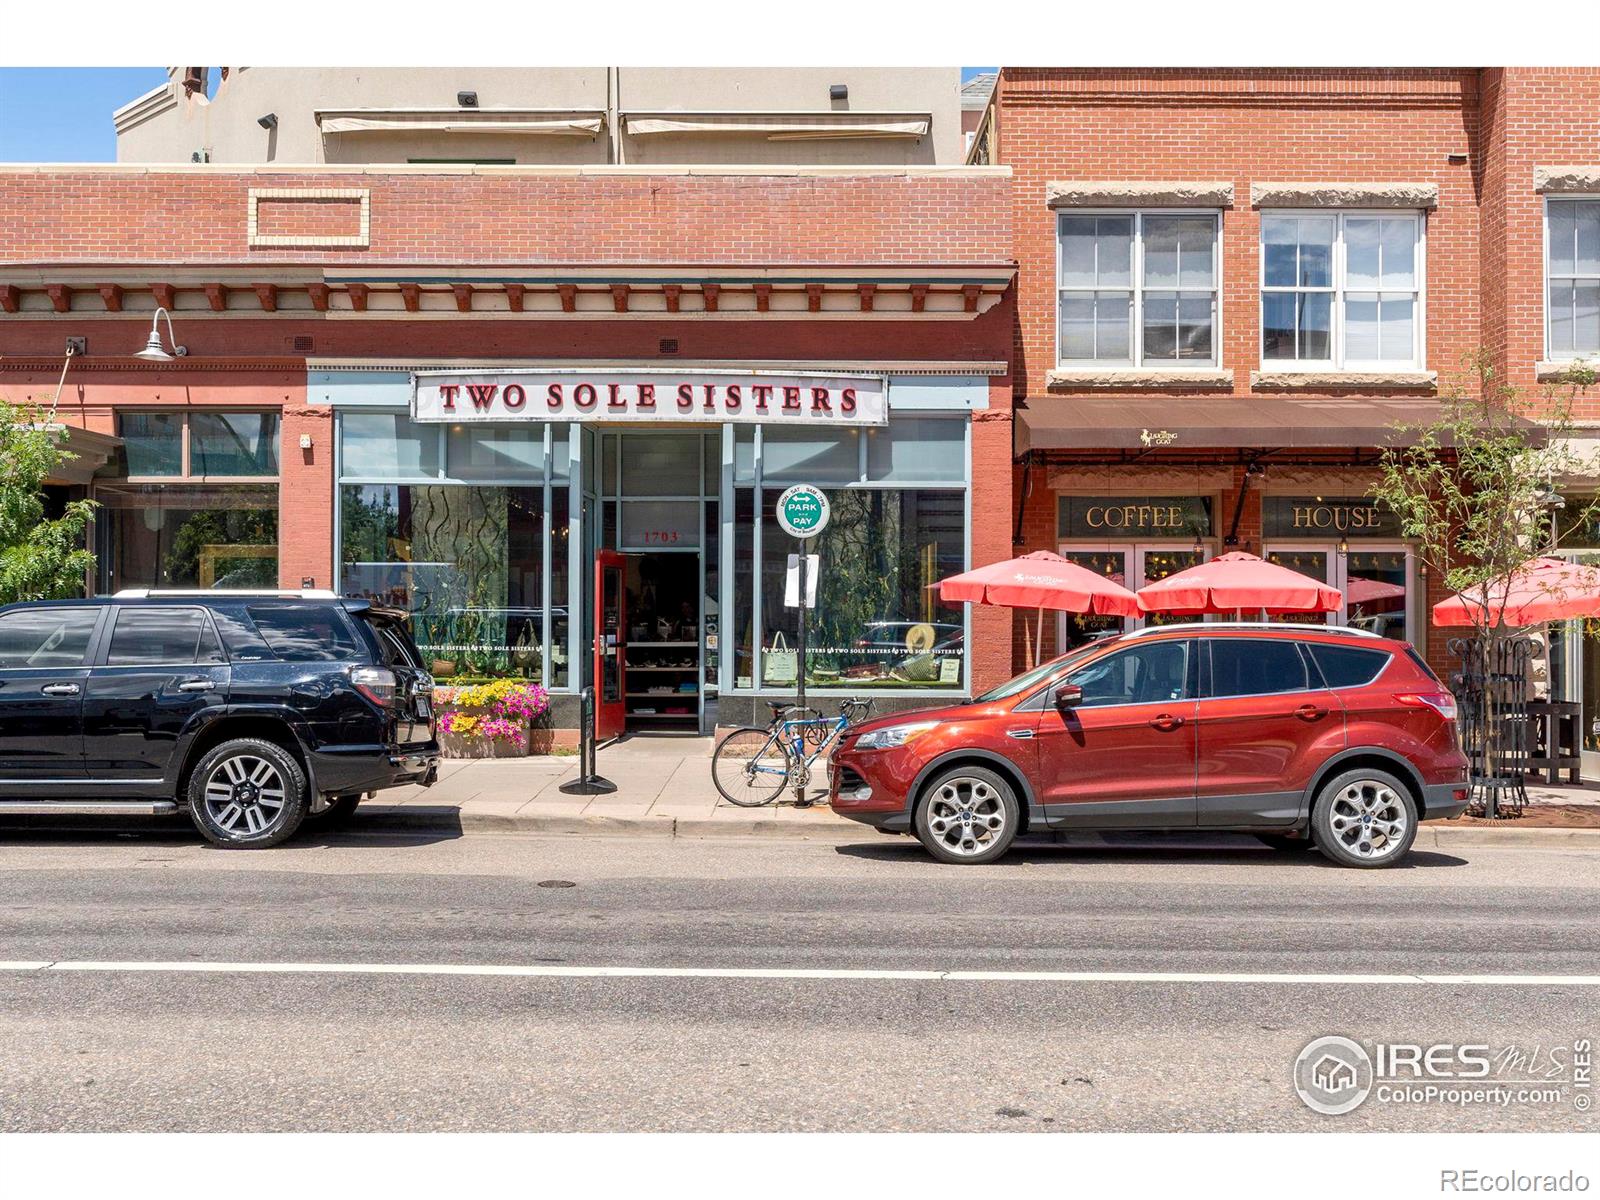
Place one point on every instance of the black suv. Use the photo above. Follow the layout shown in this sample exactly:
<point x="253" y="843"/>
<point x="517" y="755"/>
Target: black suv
<point x="252" y="710"/>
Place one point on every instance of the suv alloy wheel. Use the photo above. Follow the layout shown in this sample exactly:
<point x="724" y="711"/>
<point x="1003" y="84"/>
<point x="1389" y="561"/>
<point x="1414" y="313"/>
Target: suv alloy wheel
<point x="1364" y="818"/>
<point x="968" y="815"/>
<point x="247" y="794"/>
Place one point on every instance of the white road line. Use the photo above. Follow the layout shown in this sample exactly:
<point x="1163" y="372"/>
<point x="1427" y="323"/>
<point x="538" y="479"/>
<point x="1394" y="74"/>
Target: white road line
<point x="553" y="971"/>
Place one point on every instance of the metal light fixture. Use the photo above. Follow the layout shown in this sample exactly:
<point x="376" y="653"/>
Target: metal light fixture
<point x="1344" y="544"/>
<point x="153" y="350"/>
<point x="270" y="121"/>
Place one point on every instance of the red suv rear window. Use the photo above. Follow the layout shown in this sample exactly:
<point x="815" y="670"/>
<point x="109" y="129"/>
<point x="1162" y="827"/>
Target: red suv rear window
<point x="1347" y="666"/>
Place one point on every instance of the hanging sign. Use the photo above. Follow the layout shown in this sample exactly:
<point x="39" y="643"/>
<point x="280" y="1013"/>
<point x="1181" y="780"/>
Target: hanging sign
<point x="803" y="511"/>
<point x="609" y="395"/>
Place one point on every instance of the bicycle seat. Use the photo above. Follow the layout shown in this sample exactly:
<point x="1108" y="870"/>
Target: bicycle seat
<point x="779" y="707"/>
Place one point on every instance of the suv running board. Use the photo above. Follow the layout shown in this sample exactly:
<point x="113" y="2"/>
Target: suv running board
<point x="87" y="808"/>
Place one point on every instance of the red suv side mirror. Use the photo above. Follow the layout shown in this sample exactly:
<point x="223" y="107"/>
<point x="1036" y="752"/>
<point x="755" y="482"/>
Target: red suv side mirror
<point x="1066" y="695"/>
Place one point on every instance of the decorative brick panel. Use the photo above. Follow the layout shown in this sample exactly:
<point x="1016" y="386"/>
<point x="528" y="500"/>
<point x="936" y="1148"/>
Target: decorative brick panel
<point x="309" y="217"/>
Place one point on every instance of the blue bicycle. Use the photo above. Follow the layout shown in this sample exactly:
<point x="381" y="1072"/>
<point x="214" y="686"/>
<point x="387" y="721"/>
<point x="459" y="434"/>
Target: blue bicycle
<point x="753" y="766"/>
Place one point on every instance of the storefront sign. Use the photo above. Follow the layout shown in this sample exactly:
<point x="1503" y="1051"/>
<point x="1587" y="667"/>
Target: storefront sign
<point x="1131" y="517"/>
<point x="1315" y="517"/>
<point x="743" y="397"/>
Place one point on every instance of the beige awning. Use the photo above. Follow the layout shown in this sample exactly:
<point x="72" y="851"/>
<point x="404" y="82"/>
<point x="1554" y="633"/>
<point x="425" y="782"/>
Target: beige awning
<point x="90" y="451"/>
<point x="536" y="124"/>
<point x="780" y="128"/>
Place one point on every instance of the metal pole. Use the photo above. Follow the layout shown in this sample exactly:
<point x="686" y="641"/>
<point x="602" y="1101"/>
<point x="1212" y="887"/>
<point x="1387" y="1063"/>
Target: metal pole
<point x="800" y="673"/>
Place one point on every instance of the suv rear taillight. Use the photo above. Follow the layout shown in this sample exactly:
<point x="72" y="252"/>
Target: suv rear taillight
<point x="377" y="684"/>
<point x="1442" y="703"/>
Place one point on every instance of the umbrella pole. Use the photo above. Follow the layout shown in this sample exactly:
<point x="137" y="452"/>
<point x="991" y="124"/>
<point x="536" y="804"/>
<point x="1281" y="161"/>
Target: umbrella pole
<point x="1027" y="642"/>
<point x="1038" y="636"/>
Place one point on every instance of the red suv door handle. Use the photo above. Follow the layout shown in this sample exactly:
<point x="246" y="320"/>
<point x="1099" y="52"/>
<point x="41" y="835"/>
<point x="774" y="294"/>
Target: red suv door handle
<point x="1310" y="712"/>
<point x="1166" y="721"/>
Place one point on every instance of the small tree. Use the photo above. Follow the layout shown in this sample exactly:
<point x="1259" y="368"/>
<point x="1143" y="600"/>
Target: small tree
<point x="40" y="558"/>
<point x="1473" y="488"/>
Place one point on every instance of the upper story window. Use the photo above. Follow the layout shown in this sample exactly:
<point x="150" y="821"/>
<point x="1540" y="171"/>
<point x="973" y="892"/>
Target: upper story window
<point x="1138" y="288"/>
<point x="1573" y="273"/>
<point x="1341" y="291"/>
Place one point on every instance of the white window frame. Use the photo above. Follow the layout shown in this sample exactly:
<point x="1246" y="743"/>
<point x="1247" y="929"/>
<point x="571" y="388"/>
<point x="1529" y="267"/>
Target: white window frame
<point x="1137" y="289"/>
<point x="1340" y="292"/>
<point x="1550" y="352"/>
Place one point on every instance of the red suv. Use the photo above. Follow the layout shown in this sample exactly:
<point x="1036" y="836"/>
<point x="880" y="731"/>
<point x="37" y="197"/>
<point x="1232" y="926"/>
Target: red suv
<point x="1289" y="732"/>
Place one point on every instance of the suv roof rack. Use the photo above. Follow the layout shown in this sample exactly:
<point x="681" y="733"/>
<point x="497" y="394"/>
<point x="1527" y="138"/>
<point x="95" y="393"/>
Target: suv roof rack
<point x="1277" y="626"/>
<point x="145" y="593"/>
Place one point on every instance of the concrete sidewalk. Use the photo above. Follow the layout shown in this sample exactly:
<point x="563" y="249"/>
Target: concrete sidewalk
<point x="664" y="788"/>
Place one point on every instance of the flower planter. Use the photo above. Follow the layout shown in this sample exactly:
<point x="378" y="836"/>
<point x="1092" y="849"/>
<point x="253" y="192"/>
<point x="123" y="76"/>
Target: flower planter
<point x="511" y="733"/>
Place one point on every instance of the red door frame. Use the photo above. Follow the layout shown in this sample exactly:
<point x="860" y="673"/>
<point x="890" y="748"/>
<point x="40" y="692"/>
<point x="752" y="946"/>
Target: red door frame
<point x="610" y="647"/>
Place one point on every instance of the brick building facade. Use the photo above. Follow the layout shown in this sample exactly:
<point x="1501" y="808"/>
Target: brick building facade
<point x="282" y="449"/>
<point x="1232" y="284"/>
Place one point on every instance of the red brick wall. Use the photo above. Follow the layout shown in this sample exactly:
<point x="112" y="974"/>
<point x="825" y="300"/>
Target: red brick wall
<point x="1533" y="117"/>
<point x="122" y="216"/>
<point x="1242" y="127"/>
<point x="305" y="499"/>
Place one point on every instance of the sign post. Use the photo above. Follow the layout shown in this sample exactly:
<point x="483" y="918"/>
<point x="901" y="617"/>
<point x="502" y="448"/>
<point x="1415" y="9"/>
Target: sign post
<point x="803" y="513"/>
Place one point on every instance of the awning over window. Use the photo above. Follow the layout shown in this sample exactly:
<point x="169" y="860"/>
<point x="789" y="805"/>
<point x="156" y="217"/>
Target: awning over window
<point x="779" y="127"/>
<point x="530" y="122"/>
<point x="93" y="451"/>
<point x="1121" y="423"/>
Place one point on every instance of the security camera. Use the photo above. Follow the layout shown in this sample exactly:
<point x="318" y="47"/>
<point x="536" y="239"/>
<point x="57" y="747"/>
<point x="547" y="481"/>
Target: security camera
<point x="270" y="121"/>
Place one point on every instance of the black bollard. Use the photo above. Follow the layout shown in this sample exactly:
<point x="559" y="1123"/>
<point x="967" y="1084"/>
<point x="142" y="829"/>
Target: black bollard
<point x="589" y="782"/>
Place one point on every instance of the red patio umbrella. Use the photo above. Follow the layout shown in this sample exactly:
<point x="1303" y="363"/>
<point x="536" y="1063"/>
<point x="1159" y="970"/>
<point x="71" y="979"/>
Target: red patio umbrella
<point x="1236" y="582"/>
<point x="1542" y="589"/>
<point x="1039" y="581"/>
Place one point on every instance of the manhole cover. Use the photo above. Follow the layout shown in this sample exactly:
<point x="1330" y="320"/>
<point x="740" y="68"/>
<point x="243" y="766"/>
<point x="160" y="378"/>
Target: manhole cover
<point x="556" y="883"/>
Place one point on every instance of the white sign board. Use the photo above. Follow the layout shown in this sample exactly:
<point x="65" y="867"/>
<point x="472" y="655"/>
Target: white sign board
<point x="791" y="582"/>
<point x="604" y="395"/>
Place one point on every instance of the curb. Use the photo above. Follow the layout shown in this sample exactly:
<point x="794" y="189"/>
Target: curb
<point x="468" y="821"/>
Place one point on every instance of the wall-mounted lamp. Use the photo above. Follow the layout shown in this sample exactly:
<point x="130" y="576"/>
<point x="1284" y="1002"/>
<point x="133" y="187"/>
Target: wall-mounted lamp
<point x="270" y="121"/>
<point x="153" y="349"/>
<point x="1344" y="544"/>
<point x="467" y="99"/>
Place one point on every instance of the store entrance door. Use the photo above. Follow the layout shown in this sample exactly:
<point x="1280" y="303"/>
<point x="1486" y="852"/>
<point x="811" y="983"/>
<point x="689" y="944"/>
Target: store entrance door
<point x="610" y="644"/>
<point x="663" y="643"/>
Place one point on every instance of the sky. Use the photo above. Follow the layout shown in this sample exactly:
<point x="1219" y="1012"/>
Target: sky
<point x="63" y="114"/>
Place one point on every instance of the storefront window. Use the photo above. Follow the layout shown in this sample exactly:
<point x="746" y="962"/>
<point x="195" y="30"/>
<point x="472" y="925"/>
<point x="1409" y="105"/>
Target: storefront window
<point x="468" y="562"/>
<point x="191" y="536"/>
<point x="387" y="445"/>
<point x="799" y="456"/>
<point x="878" y="621"/>
<point x="1375" y="591"/>
<point x="233" y="444"/>
<point x="152" y="443"/>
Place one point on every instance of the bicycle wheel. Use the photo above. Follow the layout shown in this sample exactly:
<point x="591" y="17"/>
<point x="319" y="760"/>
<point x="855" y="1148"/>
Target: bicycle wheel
<point x="750" y="767"/>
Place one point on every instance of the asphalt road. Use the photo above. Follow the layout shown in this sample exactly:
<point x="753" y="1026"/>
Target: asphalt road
<point x="241" y="1049"/>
